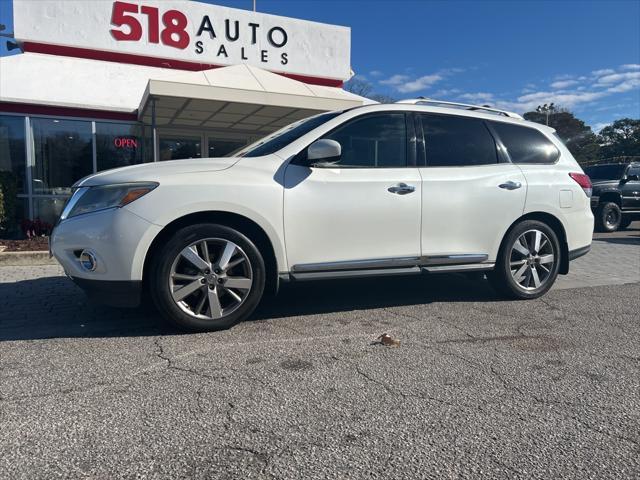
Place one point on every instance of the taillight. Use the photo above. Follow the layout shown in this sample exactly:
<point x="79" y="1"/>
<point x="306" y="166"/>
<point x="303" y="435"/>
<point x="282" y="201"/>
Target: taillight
<point x="584" y="181"/>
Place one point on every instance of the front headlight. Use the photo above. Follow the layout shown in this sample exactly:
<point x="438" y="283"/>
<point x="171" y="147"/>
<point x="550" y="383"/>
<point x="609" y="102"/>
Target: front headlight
<point x="93" y="199"/>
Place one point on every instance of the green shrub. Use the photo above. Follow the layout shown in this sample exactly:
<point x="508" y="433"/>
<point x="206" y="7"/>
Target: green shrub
<point x="8" y="197"/>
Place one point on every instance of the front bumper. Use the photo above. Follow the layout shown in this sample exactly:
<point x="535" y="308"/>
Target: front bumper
<point x="117" y="238"/>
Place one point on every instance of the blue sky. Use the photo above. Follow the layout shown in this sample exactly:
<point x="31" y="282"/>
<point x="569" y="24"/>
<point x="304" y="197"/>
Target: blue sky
<point x="514" y="54"/>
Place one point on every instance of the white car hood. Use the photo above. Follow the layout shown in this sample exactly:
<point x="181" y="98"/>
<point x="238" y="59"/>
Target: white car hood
<point x="150" y="172"/>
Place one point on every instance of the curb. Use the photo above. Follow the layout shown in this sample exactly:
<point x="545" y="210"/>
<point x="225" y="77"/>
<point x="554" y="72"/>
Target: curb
<point x="14" y="259"/>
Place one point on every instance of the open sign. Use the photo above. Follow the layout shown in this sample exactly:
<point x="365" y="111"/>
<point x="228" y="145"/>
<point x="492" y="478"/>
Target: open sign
<point x="123" y="142"/>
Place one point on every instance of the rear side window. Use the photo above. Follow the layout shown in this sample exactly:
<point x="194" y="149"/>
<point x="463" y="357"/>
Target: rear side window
<point x="452" y="141"/>
<point x="526" y="145"/>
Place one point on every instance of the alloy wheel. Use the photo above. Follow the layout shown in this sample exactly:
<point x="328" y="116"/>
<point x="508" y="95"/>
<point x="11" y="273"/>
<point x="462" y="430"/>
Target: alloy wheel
<point x="532" y="259"/>
<point x="612" y="218"/>
<point x="210" y="278"/>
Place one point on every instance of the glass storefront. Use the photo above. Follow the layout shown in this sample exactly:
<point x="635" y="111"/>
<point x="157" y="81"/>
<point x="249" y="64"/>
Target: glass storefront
<point x="179" y="147"/>
<point x="63" y="153"/>
<point x="220" y="148"/>
<point x="48" y="155"/>
<point x="13" y="151"/>
<point x="118" y="145"/>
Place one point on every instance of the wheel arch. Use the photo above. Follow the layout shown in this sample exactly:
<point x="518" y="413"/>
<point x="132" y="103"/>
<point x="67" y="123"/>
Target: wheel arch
<point x="556" y="225"/>
<point x="243" y="224"/>
<point x="610" y="196"/>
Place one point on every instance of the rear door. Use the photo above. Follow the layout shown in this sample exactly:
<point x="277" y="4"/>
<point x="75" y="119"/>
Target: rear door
<point x="470" y="195"/>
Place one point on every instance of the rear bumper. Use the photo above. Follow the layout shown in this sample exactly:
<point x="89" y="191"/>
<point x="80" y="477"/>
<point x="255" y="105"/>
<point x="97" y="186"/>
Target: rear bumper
<point x="113" y="293"/>
<point x="579" y="252"/>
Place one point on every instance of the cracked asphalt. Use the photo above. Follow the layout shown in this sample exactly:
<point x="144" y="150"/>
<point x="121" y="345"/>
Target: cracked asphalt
<point x="478" y="388"/>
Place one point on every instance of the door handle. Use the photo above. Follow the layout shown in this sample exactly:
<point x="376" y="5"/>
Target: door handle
<point x="402" y="189"/>
<point x="510" y="185"/>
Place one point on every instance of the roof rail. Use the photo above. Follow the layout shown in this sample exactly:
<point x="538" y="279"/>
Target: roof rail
<point x="465" y="106"/>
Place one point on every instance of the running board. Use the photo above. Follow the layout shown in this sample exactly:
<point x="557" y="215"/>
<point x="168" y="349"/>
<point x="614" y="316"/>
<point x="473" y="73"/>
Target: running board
<point x="391" y="263"/>
<point x="482" y="267"/>
<point x="379" y="272"/>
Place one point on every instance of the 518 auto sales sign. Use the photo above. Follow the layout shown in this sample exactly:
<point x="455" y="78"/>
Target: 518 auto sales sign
<point x="187" y="31"/>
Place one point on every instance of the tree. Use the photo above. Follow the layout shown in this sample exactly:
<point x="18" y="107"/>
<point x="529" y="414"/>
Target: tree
<point x="621" y="138"/>
<point x="358" y="86"/>
<point x="365" y="89"/>
<point x="576" y="135"/>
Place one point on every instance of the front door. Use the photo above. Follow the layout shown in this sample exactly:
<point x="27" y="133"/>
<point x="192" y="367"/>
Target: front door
<point x="630" y="189"/>
<point x="355" y="210"/>
<point x="469" y="198"/>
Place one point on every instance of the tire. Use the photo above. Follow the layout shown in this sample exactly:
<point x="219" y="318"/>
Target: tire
<point x="517" y="274"/>
<point x="624" y="223"/>
<point x="220" y="292"/>
<point x="608" y="217"/>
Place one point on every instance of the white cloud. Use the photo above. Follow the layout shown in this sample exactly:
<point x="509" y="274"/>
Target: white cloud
<point x="478" y="97"/>
<point x="625" y="86"/>
<point x="630" y="66"/>
<point x="563" y="84"/>
<point x="617" y="77"/>
<point x="395" y="80"/>
<point x="376" y="73"/>
<point x="445" y="92"/>
<point x="604" y="71"/>
<point x="421" y="83"/>
<point x="404" y="83"/>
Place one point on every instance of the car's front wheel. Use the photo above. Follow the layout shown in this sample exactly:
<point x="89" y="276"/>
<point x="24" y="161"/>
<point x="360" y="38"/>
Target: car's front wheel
<point x="528" y="261"/>
<point x="207" y="277"/>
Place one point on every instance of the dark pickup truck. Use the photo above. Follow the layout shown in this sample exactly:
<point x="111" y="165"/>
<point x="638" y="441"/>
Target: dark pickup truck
<point x="616" y="195"/>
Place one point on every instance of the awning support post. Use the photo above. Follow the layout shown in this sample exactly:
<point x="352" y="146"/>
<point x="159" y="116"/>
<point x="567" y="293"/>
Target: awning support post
<point x="154" y="130"/>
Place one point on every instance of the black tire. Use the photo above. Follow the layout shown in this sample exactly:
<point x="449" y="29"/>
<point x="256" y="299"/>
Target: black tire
<point x="502" y="279"/>
<point x="608" y="217"/>
<point x="163" y="262"/>
<point x="624" y="223"/>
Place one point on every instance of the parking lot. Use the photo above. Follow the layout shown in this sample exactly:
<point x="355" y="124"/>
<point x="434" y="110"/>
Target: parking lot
<point x="479" y="387"/>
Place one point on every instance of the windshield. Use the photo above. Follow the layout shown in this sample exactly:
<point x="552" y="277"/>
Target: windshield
<point x="605" y="172"/>
<point x="283" y="137"/>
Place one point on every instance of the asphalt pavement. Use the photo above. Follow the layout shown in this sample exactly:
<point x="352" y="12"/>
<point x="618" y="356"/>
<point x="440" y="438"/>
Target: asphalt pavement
<point x="478" y="388"/>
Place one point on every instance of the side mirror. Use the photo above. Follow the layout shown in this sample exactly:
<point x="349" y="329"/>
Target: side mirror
<point x="322" y="151"/>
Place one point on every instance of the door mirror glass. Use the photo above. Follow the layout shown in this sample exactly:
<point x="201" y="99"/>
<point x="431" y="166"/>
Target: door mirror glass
<point x="323" y="151"/>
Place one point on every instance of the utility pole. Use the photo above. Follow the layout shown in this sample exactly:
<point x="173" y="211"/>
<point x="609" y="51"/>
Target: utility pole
<point x="254" y="5"/>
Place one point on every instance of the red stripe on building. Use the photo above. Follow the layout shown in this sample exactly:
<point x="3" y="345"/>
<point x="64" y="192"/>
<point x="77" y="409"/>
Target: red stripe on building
<point x="118" y="57"/>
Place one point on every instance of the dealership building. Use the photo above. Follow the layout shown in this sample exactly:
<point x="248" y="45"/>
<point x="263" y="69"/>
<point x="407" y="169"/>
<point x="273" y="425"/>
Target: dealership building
<point x="103" y="84"/>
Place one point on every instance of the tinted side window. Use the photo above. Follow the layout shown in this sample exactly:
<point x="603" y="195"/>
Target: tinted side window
<point x="634" y="170"/>
<point x="457" y="141"/>
<point x="526" y="145"/>
<point x="376" y="141"/>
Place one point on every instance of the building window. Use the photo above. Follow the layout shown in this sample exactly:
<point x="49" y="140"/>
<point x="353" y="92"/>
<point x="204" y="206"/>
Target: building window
<point x="178" y="148"/>
<point x="221" y="148"/>
<point x="118" y="145"/>
<point x="63" y="154"/>
<point x="13" y="149"/>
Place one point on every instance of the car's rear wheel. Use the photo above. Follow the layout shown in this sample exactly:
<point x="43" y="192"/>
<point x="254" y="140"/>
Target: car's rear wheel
<point x="528" y="261"/>
<point x="207" y="277"/>
<point x="608" y="217"/>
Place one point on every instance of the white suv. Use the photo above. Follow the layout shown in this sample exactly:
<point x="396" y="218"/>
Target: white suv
<point x="417" y="186"/>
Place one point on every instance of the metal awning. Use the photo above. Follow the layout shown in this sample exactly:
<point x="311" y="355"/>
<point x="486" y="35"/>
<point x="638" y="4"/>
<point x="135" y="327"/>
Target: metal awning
<point x="239" y="98"/>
